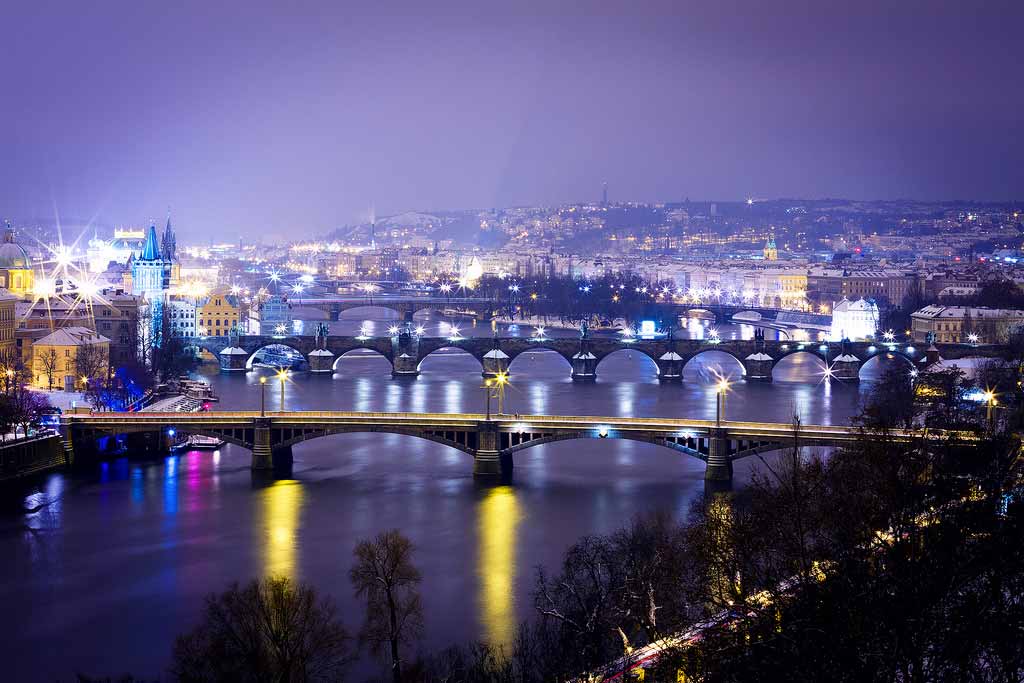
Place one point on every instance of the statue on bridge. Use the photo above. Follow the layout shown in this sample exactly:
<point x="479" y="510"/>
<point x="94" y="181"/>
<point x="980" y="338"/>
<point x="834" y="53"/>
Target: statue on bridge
<point x="584" y="330"/>
<point x="320" y="333"/>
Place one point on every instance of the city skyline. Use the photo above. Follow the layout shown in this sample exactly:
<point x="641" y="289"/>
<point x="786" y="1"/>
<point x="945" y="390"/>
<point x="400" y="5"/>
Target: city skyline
<point x="259" y="121"/>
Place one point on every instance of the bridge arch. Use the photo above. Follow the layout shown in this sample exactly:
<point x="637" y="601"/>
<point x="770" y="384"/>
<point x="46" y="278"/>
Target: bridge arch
<point x="883" y="358"/>
<point x="519" y="361"/>
<point x="464" y="441"/>
<point x="252" y="356"/>
<point x="691" y="447"/>
<point x="627" y="351"/>
<point x="365" y="352"/>
<point x="817" y="367"/>
<point x="361" y="311"/>
<point x="728" y="364"/>
<point x="446" y="350"/>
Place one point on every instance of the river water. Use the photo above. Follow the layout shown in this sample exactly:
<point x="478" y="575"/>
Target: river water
<point x="110" y="564"/>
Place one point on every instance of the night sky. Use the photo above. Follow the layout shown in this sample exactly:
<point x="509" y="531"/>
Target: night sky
<point x="278" y="120"/>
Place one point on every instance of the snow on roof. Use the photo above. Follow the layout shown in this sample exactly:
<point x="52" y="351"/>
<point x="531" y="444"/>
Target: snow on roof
<point x="72" y="336"/>
<point x="671" y="355"/>
<point x="495" y="353"/>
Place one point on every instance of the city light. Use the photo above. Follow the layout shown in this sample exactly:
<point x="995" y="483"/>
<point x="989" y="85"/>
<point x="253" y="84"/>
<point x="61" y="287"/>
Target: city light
<point x="394" y="330"/>
<point x="972" y="338"/>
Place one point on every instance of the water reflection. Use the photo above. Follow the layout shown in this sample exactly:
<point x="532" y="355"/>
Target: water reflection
<point x="281" y="507"/>
<point x="498" y="518"/>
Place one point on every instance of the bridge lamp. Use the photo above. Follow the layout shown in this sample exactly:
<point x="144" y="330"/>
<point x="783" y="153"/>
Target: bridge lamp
<point x="827" y="373"/>
<point x="420" y="330"/>
<point x="263" y="396"/>
<point x="282" y="375"/>
<point x="171" y="432"/>
<point x="602" y="432"/>
<point x="972" y="338"/>
<point x="889" y="336"/>
<point x="393" y="330"/>
<point x="913" y="373"/>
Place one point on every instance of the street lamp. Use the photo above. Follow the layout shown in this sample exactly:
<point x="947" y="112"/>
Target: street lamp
<point x="282" y="375"/>
<point x="721" y="388"/>
<point x="263" y="396"/>
<point x="487" y="393"/>
<point x="500" y="381"/>
<point x="990" y="404"/>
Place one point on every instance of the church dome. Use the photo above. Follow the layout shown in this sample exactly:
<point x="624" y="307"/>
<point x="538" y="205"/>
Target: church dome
<point x="12" y="255"/>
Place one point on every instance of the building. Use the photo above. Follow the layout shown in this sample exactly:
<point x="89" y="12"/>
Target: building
<point x="965" y="324"/>
<point x="116" y="315"/>
<point x="771" y="252"/>
<point x="16" y="274"/>
<point x="152" y="270"/>
<point x="854" y="320"/>
<point x="68" y="357"/>
<point x="218" y="314"/>
<point x="182" y="315"/>
<point x="887" y="287"/>
<point x="101" y="253"/>
<point x="8" y="323"/>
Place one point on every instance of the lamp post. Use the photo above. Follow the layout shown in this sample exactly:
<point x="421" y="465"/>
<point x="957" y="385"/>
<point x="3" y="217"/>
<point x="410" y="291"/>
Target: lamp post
<point x="500" y="380"/>
<point x="487" y="393"/>
<point x="723" y="386"/>
<point x="263" y="396"/>
<point x="990" y="404"/>
<point x="282" y="375"/>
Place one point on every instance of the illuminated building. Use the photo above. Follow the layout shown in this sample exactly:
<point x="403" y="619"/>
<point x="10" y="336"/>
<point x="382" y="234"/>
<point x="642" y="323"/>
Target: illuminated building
<point x="854" y="320"/>
<point x="101" y="253"/>
<point x="16" y="273"/>
<point x="961" y="324"/>
<point x="771" y="252"/>
<point x="218" y="314"/>
<point x="56" y="356"/>
<point x="8" y="318"/>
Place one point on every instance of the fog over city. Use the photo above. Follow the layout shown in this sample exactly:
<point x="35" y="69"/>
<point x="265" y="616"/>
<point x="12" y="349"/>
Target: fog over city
<point x="259" y="119"/>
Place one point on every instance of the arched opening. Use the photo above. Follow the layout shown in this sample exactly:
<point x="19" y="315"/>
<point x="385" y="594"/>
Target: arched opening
<point x="540" y="363"/>
<point x="381" y="452"/>
<point x="369" y="312"/>
<point x="627" y="365"/>
<point x="878" y="365"/>
<point x="708" y="367"/>
<point x="450" y="360"/>
<point x="801" y="366"/>
<point x="277" y="356"/>
<point x="362" y="362"/>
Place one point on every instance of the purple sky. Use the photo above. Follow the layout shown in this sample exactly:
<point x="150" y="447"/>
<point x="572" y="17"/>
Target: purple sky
<point x="248" y="118"/>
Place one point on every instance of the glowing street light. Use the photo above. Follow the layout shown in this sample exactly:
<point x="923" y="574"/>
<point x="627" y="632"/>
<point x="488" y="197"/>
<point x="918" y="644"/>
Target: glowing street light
<point x="282" y="376"/>
<point x="263" y="396"/>
<point x="721" y="388"/>
<point x="972" y="338"/>
<point x="538" y="332"/>
<point x="394" y="330"/>
<point x="889" y="335"/>
<point x="420" y="330"/>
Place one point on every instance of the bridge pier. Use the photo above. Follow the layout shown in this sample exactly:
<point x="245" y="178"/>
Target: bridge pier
<point x="495" y="363"/>
<point x="262" y="456"/>
<point x="719" y="466"/>
<point x="405" y="354"/>
<point x="487" y="458"/>
<point x="846" y="367"/>
<point x="67" y="441"/>
<point x="321" y="361"/>
<point x="758" y="367"/>
<point x="233" y="359"/>
<point x="584" y="367"/>
<point x="282" y="458"/>
<point x="670" y="367"/>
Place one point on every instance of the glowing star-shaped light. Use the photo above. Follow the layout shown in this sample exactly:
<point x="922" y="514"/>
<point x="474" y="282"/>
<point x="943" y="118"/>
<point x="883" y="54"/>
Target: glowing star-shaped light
<point x="235" y="290"/>
<point x="298" y="289"/>
<point x="420" y="330"/>
<point x="889" y="335"/>
<point x="445" y="288"/>
<point x="538" y="332"/>
<point x="972" y="338"/>
<point x="274" y="276"/>
<point x="394" y="330"/>
<point x="280" y="329"/>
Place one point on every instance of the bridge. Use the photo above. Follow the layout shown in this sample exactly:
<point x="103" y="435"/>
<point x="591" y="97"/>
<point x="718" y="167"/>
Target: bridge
<point x="490" y="440"/>
<point x="405" y="351"/>
<point x="405" y="305"/>
<point x="484" y="308"/>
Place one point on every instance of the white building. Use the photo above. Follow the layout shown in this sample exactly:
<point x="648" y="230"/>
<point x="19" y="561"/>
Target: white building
<point x="854" y="320"/>
<point x="181" y="313"/>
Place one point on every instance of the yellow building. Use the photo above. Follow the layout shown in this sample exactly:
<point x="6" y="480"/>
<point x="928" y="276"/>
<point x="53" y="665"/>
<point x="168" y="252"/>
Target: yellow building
<point x="15" y="266"/>
<point x="68" y="357"/>
<point x="8" y="322"/>
<point x="218" y="315"/>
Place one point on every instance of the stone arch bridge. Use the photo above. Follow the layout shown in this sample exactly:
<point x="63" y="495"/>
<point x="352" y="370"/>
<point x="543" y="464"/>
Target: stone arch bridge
<point x="406" y="350"/>
<point x="490" y="440"/>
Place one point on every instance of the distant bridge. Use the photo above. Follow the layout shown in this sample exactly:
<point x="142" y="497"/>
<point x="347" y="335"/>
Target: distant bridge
<point x="490" y="440"/>
<point x="485" y="309"/>
<point x="405" y="351"/>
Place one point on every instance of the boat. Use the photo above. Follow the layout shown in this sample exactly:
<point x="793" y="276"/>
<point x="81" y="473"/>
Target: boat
<point x="198" y="442"/>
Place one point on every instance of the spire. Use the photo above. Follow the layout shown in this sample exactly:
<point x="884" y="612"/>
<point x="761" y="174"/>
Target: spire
<point x="169" y="244"/>
<point x="150" y="250"/>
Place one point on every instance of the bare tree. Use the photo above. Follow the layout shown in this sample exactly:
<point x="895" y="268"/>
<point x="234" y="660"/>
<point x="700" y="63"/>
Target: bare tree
<point x="49" y="362"/>
<point x="270" y="630"/>
<point x="384" y="574"/>
<point x="91" y="362"/>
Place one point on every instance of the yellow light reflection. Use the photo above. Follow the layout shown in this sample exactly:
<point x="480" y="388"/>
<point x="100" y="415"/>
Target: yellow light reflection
<point x="281" y="507"/>
<point x="498" y="518"/>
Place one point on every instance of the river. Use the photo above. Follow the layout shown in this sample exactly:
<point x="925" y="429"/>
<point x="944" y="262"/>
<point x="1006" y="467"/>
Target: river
<point x="116" y="560"/>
